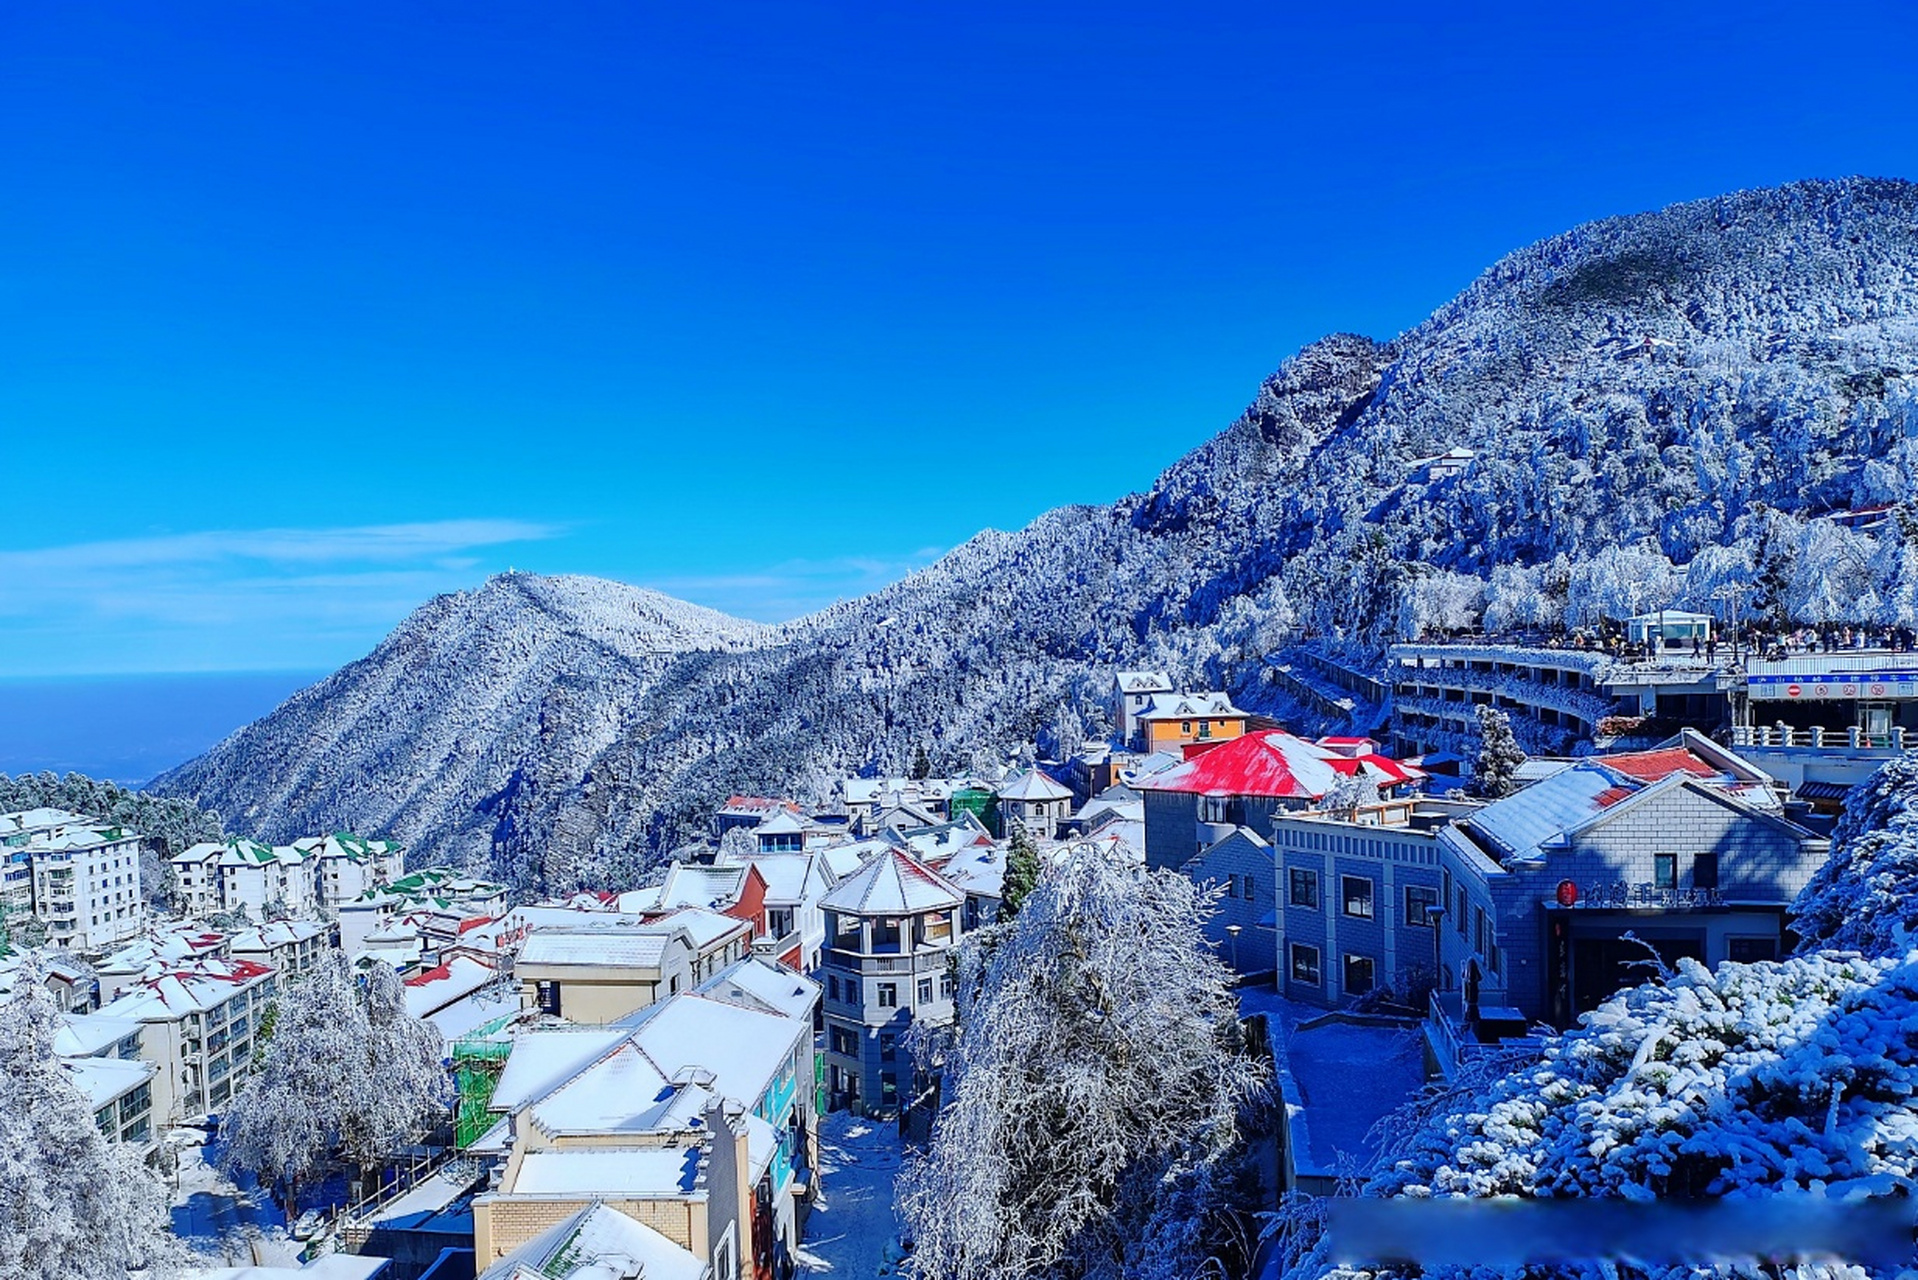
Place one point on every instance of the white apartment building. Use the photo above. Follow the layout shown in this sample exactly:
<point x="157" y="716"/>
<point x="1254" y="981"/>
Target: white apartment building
<point x="264" y="880"/>
<point x="86" y="885"/>
<point x="347" y="866"/>
<point x="197" y="1023"/>
<point x="17" y="831"/>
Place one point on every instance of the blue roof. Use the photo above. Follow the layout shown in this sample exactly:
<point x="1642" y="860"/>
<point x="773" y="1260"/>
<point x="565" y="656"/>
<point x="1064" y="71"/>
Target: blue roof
<point x="1520" y="825"/>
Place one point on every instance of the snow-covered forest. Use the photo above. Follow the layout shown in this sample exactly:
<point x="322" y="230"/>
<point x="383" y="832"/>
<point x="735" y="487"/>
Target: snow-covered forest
<point x="1655" y="407"/>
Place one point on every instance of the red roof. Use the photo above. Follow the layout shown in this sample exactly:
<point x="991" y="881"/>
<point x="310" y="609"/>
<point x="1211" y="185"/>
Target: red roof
<point x="1650" y="766"/>
<point x="474" y="922"/>
<point x="438" y="973"/>
<point x="1269" y="763"/>
<point x="1612" y="795"/>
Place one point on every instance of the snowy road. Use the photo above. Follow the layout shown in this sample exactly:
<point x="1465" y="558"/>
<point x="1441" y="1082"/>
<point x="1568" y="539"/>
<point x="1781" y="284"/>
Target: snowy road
<point x="853" y="1231"/>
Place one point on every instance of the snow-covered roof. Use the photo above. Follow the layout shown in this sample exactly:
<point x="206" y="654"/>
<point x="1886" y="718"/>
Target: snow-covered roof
<point x="443" y="984"/>
<point x="22" y="820"/>
<point x="1521" y="825"/>
<point x="757" y="984"/>
<point x="788" y="876"/>
<point x="85" y="1034"/>
<point x="783" y="822"/>
<point x="639" y="948"/>
<point x="333" y="1266"/>
<point x="1190" y="706"/>
<point x="598" y="1243"/>
<point x="104" y="1079"/>
<point x="188" y="988"/>
<point x="892" y="884"/>
<point x="1267" y="763"/>
<point x="631" y="1172"/>
<point x="471" y="1012"/>
<point x="623" y="1091"/>
<point x="1145" y="681"/>
<point x="543" y="1060"/>
<point x="277" y="933"/>
<point x="1033" y="785"/>
<point x="980" y="870"/>
<point x="932" y="845"/>
<point x="745" y="1049"/>
<point x="689" y="885"/>
<point x="704" y="926"/>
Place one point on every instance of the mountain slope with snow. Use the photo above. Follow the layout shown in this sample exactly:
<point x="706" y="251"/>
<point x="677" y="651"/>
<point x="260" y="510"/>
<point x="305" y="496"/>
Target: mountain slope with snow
<point x="1642" y="397"/>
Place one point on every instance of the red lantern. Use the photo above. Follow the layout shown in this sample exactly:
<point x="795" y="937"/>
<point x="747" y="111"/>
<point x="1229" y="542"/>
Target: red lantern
<point x="1567" y="893"/>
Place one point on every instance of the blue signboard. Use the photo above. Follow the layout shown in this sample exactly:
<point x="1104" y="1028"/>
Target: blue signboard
<point x="1827" y="686"/>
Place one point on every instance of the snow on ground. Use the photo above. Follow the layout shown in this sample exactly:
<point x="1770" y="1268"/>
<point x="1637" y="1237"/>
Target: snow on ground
<point x="1351" y="1077"/>
<point x="852" y="1230"/>
<point x="225" y="1224"/>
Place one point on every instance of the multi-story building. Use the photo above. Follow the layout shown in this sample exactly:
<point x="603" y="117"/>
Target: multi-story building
<point x="1035" y="802"/>
<point x="1174" y="720"/>
<point x="86" y="885"/>
<point x="890" y="929"/>
<point x="1356" y="891"/>
<point x="1558" y="895"/>
<point x="290" y="946"/>
<point x="795" y="926"/>
<point x="1132" y="693"/>
<point x="17" y="831"/>
<point x="266" y="882"/>
<point x="695" y="1121"/>
<point x="198" y="1021"/>
<point x="346" y="866"/>
<point x="121" y="1096"/>
<point x="1560" y="700"/>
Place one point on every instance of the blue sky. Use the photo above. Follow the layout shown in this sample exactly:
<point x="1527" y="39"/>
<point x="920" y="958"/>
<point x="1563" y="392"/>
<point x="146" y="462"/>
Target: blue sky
<point x="309" y="311"/>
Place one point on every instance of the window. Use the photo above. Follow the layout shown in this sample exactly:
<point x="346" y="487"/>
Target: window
<point x="1185" y="726"/>
<point x="888" y="1046"/>
<point x="1356" y="891"/>
<point x="1303" y="888"/>
<point x="1420" y="902"/>
<point x="832" y="988"/>
<point x="1358" y="975"/>
<point x="1305" y="965"/>
<point x="946" y="985"/>
<point x="1705" y="871"/>
<point x="1250" y="884"/>
<point x="1459" y="920"/>
<point x="1481" y="935"/>
<point x="1665" y="870"/>
<point x="925" y="991"/>
<point x="1231" y="884"/>
<point x="888" y="995"/>
<point x="843" y="1043"/>
<point x="1748" y="950"/>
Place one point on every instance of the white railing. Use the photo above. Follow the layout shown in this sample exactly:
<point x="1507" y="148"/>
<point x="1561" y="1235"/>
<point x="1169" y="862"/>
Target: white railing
<point x="1819" y="738"/>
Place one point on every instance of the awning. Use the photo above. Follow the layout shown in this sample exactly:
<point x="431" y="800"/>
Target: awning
<point x="1823" y="790"/>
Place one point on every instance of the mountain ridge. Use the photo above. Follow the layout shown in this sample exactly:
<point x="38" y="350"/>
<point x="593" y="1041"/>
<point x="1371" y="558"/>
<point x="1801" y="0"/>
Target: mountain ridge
<point x="1660" y="389"/>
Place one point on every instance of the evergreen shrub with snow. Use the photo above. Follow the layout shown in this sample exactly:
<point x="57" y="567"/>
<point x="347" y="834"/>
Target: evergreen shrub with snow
<point x="1865" y="897"/>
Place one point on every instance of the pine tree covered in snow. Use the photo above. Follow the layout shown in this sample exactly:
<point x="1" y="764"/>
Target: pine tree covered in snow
<point x="73" y="1206"/>
<point x="1865" y="897"/>
<point x="1495" y="768"/>
<point x="1022" y="872"/>
<point x="346" y="1069"/>
<point x="1093" y="1091"/>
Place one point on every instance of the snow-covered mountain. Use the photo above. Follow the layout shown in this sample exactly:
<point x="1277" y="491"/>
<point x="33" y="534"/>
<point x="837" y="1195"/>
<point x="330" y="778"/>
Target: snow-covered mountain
<point x="1657" y="399"/>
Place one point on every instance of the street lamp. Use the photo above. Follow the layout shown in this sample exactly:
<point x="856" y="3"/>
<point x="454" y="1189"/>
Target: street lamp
<point x="1232" y="931"/>
<point x="1436" y="917"/>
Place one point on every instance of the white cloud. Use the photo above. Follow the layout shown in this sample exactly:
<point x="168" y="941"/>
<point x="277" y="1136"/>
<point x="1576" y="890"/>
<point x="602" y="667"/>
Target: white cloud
<point x="232" y="598"/>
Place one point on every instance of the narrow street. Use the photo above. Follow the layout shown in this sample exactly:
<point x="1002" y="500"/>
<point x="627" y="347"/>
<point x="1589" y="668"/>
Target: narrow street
<point x="853" y="1230"/>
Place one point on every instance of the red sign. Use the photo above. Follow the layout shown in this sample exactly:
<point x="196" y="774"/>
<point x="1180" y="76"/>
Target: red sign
<point x="1567" y="893"/>
<point x="1792" y="691"/>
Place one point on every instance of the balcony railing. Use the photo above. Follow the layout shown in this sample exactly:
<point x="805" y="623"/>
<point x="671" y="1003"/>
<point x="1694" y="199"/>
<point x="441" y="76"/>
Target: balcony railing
<point x="1819" y="738"/>
<point x="1453" y="1040"/>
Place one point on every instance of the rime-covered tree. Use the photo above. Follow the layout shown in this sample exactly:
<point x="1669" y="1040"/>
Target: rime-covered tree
<point x="921" y="762"/>
<point x="344" y="1071"/>
<point x="404" y="1080"/>
<point x="1496" y="765"/>
<point x="1865" y="896"/>
<point x="73" y="1205"/>
<point x="1095" y="1089"/>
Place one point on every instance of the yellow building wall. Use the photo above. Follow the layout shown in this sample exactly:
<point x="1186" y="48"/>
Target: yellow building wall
<point x="1163" y="735"/>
